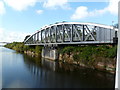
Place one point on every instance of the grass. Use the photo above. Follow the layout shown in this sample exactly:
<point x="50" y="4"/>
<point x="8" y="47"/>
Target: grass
<point x="88" y="54"/>
<point x="20" y="47"/>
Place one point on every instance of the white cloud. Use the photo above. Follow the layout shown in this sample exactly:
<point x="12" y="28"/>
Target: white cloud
<point x="82" y="11"/>
<point x="39" y="11"/>
<point x="53" y="4"/>
<point x="20" y="5"/>
<point x="12" y="36"/>
<point x="113" y="6"/>
<point x="2" y="8"/>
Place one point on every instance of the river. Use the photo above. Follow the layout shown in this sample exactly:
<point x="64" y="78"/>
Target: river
<point x="22" y="71"/>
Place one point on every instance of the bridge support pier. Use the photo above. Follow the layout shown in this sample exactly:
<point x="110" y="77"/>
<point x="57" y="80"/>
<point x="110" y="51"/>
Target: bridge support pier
<point x="50" y="53"/>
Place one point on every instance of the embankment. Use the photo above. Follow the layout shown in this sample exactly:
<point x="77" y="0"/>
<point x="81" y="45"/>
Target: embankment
<point x="101" y="57"/>
<point x="34" y="51"/>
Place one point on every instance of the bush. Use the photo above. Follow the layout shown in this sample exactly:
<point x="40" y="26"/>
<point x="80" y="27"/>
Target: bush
<point x="38" y="49"/>
<point x="76" y="57"/>
<point x="112" y="52"/>
<point x="20" y="47"/>
<point x="67" y="50"/>
<point x="26" y="47"/>
<point x="88" y="54"/>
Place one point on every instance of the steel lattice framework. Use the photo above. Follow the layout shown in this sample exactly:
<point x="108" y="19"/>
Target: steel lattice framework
<point x="73" y="33"/>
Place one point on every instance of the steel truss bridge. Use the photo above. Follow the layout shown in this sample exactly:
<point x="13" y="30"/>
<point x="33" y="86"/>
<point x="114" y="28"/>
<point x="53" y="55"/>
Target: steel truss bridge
<point x="73" y="33"/>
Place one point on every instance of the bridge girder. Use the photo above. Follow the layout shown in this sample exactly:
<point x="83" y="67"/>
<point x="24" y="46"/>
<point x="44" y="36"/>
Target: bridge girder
<point x="82" y="33"/>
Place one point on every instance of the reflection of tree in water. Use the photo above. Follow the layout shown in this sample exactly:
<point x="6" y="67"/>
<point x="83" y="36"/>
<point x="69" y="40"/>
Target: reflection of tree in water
<point x="68" y="67"/>
<point x="54" y="74"/>
<point x="34" y="66"/>
<point x="86" y="71"/>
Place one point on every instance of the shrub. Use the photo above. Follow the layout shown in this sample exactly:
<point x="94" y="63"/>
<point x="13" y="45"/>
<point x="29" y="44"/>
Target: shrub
<point x="20" y="47"/>
<point x="26" y="47"/>
<point x="67" y="50"/>
<point x="38" y="49"/>
<point x="76" y="57"/>
<point x="112" y="52"/>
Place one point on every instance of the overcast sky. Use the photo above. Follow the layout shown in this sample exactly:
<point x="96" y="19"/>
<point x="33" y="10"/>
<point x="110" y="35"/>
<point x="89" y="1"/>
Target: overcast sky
<point x="19" y="18"/>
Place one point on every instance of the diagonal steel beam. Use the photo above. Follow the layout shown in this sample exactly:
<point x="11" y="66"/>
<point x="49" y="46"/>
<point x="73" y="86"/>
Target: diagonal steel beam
<point x="66" y="32"/>
<point x="89" y="33"/>
<point x="76" y="30"/>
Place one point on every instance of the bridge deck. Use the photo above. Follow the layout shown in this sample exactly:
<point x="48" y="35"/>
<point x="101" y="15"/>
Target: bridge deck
<point x="80" y="43"/>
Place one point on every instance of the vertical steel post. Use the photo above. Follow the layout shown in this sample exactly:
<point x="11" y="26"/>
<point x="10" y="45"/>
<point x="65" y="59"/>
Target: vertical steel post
<point x="117" y="78"/>
<point x="63" y="33"/>
<point x="83" y="33"/>
<point x="104" y="34"/>
<point x="50" y="33"/>
<point x="55" y="27"/>
<point x="100" y="38"/>
<point x="71" y="38"/>
<point x="41" y="35"/>
<point x="45" y="34"/>
<point x="34" y="37"/>
<point x="37" y="36"/>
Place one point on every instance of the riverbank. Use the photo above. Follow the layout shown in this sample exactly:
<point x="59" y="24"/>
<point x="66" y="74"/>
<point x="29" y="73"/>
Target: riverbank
<point x="34" y="51"/>
<point x="23" y="71"/>
<point x="101" y="57"/>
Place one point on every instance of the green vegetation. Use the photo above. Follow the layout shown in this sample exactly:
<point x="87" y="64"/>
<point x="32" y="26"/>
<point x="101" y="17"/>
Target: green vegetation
<point x="38" y="49"/>
<point x="76" y="57"/>
<point x="84" y="54"/>
<point x="67" y="50"/>
<point x="93" y="56"/>
<point x="20" y="47"/>
<point x="88" y="54"/>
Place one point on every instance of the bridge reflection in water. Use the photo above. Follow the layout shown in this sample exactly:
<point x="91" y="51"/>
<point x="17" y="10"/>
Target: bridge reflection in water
<point x="50" y="64"/>
<point x="57" y="74"/>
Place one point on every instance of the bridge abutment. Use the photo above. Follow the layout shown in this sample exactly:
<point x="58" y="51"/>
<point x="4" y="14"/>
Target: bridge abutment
<point x="50" y="53"/>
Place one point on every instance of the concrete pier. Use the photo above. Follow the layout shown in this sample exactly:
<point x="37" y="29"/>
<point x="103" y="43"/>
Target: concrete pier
<point x="50" y="53"/>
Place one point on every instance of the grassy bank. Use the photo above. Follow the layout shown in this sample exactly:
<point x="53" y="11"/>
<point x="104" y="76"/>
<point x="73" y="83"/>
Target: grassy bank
<point x="87" y="53"/>
<point x="97" y="57"/>
<point x="20" y="47"/>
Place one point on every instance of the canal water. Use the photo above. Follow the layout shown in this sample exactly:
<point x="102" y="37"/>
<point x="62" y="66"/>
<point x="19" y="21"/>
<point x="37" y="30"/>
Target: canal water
<point x="22" y="71"/>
